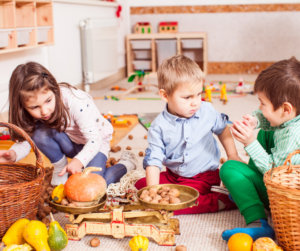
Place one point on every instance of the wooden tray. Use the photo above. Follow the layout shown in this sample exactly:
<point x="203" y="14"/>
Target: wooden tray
<point x="188" y="196"/>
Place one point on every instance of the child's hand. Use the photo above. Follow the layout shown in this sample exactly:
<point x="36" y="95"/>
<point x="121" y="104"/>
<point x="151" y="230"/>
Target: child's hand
<point x="75" y="166"/>
<point x="8" y="156"/>
<point x="243" y="132"/>
<point x="251" y="119"/>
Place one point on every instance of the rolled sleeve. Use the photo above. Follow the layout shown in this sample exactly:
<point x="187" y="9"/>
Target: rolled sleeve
<point x="254" y="149"/>
<point x="220" y="122"/>
<point x="155" y="151"/>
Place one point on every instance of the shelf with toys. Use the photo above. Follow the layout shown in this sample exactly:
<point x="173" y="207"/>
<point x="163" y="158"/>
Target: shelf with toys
<point x="144" y="48"/>
<point x="25" y="25"/>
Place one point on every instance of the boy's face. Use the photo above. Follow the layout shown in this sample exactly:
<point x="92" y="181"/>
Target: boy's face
<point x="185" y="101"/>
<point x="274" y="117"/>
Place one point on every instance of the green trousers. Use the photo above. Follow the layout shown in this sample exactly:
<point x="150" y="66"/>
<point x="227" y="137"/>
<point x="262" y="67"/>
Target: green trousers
<point x="245" y="183"/>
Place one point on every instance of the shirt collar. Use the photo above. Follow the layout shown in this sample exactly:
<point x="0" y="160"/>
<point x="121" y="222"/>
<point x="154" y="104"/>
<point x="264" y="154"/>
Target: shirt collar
<point x="285" y="124"/>
<point x="172" y="118"/>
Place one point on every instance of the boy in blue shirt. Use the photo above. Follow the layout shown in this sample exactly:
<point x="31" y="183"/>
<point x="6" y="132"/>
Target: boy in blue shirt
<point x="181" y="137"/>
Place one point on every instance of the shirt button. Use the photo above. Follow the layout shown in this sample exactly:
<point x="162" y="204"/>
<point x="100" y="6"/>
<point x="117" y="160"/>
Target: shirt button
<point x="187" y="138"/>
<point x="97" y="120"/>
<point x="186" y="154"/>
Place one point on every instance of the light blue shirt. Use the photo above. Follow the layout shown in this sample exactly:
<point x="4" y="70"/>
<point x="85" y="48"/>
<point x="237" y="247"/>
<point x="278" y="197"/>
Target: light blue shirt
<point x="186" y="146"/>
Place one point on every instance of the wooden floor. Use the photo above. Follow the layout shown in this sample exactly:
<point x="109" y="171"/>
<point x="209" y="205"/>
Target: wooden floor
<point x="119" y="133"/>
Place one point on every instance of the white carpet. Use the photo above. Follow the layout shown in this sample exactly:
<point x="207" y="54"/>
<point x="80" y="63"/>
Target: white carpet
<point x="198" y="232"/>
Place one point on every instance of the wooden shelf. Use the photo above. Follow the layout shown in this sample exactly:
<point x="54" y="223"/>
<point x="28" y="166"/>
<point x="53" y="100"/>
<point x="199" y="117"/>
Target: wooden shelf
<point x="201" y="53"/>
<point x="7" y="14"/>
<point x="21" y="14"/>
<point x="90" y="2"/>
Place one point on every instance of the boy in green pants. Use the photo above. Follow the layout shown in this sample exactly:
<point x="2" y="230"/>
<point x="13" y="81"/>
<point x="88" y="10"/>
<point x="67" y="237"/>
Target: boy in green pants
<point x="278" y="89"/>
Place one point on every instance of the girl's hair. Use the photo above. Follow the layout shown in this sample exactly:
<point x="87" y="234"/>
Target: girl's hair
<point x="25" y="82"/>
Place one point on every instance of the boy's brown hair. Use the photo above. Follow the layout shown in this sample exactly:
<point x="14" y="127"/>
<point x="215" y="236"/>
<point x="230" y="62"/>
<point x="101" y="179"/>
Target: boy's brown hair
<point x="280" y="83"/>
<point x="25" y="82"/>
<point x="177" y="70"/>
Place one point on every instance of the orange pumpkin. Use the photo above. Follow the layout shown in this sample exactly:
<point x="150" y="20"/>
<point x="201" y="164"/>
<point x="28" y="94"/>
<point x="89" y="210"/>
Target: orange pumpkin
<point x="86" y="188"/>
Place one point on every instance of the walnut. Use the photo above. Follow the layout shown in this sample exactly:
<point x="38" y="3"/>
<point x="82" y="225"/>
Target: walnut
<point x="222" y="160"/>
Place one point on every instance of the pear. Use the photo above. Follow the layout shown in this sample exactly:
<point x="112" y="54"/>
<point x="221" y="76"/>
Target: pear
<point x="14" y="234"/>
<point x="58" y="238"/>
<point x="35" y="233"/>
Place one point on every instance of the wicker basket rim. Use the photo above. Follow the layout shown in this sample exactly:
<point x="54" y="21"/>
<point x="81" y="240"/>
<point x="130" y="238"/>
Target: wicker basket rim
<point x="23" y="184"/>
<point x="271" y="183"/>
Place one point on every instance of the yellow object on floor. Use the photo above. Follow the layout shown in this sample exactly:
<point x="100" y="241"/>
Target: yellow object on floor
<point x="14" y="247"/>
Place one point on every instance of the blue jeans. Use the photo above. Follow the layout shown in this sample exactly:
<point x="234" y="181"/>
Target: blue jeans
<point x="55" y="145"/>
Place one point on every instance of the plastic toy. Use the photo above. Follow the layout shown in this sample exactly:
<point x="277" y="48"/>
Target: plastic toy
<point x="5" y="135"/>
<point x="168" y="27"/>
<point x="223" y="93"/>
<point x="114" y="98"/>
<point x="117" y="88"/>
<point x="208" y="93"/>
<point x="142" y="27"/>
<point x="138" y="77"/>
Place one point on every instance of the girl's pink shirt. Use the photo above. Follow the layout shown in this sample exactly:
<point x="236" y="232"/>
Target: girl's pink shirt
<point x="87" y="126"/>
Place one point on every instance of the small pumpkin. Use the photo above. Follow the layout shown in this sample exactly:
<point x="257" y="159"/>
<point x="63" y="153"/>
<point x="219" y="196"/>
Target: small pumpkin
<point x="15" y="247"/>
<point x="86" y="188"/>
<point x="139" y="243"/>
<point x="58" y="193"/>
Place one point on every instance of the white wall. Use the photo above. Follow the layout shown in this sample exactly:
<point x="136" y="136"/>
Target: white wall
<point x="139" y="3"/>
<point x="239" y="37"/>
<point x="64" y="58"/>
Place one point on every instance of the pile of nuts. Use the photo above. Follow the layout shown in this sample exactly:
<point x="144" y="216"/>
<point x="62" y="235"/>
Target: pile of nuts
<point x="47" y="190"/>
<point x="111" y="162"/>
<point x="115" y="149"/>
<point x="165" y="195"/>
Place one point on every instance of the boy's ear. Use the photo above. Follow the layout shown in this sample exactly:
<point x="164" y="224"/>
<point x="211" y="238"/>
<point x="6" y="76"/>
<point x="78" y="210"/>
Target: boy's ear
<point x="287" y="109"/>
<point x="163" y="95"/>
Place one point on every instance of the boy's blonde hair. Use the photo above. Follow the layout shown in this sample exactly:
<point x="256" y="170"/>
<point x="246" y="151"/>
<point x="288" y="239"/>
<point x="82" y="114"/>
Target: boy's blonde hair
<point x="177" y="70"/>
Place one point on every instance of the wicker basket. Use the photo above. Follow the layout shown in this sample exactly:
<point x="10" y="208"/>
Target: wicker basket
<point x="283" y="187"/>
<point x="20" y="187"/>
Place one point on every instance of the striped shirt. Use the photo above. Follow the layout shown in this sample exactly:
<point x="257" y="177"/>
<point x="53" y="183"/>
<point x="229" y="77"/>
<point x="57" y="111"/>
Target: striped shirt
<point x="286" y="140"/>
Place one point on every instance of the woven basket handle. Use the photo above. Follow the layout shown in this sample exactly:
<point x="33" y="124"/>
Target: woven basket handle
<point x="39" y="162"/>
<point x="288" y="160"/>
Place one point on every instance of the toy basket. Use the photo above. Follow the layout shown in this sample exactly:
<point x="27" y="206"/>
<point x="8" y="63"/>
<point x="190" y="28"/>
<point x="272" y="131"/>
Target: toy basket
<point x="283" y="187"/>
<point x="20" y="186"/>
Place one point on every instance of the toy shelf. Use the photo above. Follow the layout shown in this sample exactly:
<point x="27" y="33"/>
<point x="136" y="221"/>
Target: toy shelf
<point x="25" y="24"/>
<point x="199" y="51"/>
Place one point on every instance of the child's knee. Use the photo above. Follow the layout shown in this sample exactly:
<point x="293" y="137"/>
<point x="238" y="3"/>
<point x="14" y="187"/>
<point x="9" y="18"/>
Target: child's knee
<point x="227" y="169"/>
<point x="41" y="135"/>
<point x="141" y="183"/>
